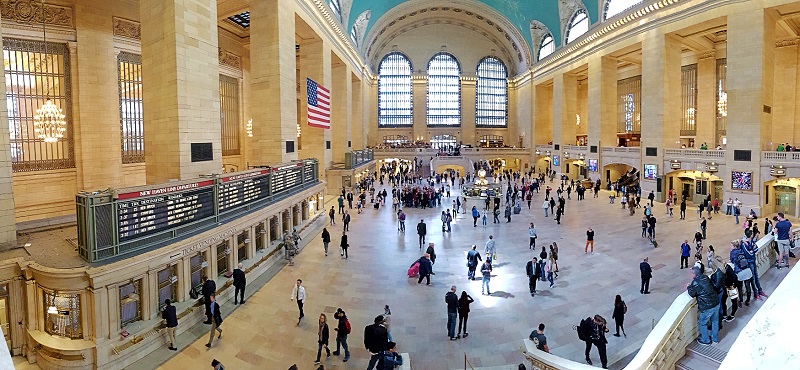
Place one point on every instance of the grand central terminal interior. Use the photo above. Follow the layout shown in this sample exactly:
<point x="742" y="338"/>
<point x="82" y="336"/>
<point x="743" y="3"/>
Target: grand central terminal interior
<point x="148" y="144"/>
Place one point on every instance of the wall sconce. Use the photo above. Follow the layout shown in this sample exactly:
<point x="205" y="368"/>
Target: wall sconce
<point x="674" y="164"/>
<point x="538" y="152"/>
<point x="581" y="156"/>
<point x="566" y="155"/>
<point x="711" y="167"/>
<point x="547" y="153"/>
<point x="777" y="171"/>
<point x="249" y="128"/>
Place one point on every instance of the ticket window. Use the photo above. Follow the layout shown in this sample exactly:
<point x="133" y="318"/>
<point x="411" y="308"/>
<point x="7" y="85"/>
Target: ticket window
<point x="275" y="232"/>
<point x="197" y="265"/>
<point x="260" y="231"/>
<point x="241" y="246"/>
<point x="167" y="285"/>
<point x="222" y="258"/>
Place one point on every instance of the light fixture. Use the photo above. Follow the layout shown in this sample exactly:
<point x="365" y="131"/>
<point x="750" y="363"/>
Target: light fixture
<point x="566" y="155"/>
<point x="249" y="128"/>
<point x="48" y="122"/>
<point x="690" y="113"/>
<point x="777" y="171"/>
<point x="298" y="130"/>
<point x="538" y="152"/>
<point x="577" y="120"/>
<point x="722" y="104"/>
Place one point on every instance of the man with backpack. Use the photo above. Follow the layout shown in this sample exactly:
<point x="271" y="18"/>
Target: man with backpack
<point x="593" y="331"/>
<point x="376" y="340"/>
<point x="342" y="330"/>
<point x="702" y="289"/>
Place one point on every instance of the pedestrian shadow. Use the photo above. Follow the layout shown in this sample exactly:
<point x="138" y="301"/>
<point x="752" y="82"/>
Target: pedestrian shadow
<point x="499" y="265"/>
<point x="502" y="294"/>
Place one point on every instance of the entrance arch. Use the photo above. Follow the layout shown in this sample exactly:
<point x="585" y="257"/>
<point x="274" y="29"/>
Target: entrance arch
<point x="781" y="195"/>
<point x="613" y="171"/>
<point x="697" y="184"/>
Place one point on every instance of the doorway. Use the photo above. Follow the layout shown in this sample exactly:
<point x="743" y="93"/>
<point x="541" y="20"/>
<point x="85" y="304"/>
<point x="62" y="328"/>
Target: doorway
<point x="785" y="199"/>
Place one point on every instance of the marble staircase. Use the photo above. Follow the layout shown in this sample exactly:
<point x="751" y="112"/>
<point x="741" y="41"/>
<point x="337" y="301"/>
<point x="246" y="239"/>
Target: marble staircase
<point x="699" y="357"/>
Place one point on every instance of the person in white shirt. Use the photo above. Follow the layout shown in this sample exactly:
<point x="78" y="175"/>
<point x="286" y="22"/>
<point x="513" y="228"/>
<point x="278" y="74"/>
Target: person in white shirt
<point x="299" y="293"/>
<point x="489" y="249"/>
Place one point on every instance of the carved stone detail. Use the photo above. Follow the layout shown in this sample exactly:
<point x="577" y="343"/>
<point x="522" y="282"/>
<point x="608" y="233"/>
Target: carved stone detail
<point x="707" y="54"/>
<point x="787" y="42"/>
<point x="226" y="58"/>
<point x="344" y="8"/>
<point x="29" y="11"/>
<point x="127" y="28"/>
<point x="538" y="32"/>
<point x="567" y="8"/>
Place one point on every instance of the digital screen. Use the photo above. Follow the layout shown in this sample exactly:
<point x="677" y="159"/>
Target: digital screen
<point x="286" y="177"/>
<point x="650" y="171"/>
<point x="148" y="213"/>
<point x="241" y="189"/>
<point x="593" y="165"/>
<point x="741" y="180"/>
<point x="556" y="161"/>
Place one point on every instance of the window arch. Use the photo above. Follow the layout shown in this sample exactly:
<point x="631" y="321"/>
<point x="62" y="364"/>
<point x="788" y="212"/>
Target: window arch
<point x="614" y="7"/>
<point x="491" y="93"/>
<point x="547" y="46"/>
<point x="336" y="9"/>
<point x="353" y="35"/>
<point x="578" y="25"/>
<point x="444" y="91"/>
<point x="394" y="91"/>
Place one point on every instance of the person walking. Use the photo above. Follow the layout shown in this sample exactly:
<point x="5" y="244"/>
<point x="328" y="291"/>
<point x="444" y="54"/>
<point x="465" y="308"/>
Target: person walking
<point x="545" y="207"/>
<point x="475" y="216"/>
<point x="508" y="213"/>
<point x="346" y="220"/>
<point x="486" y="270"/>
<point x="598" y="338"/>
<point x="490" y="249"/>
<point x="646" y="273"/>
<point x="703" y="224"/>
<point x="340" y="200"/>
<point x="391" y="358"/>
<point x="215" y="322"/>
<point x="683" y="210"/>
<point x="539" y="340"/>
<point x="532" y="269"/>
<point x="343" y="245"/>
<point x="216" y="365"/>
<point x="425" y="269"/>
<point x="322" y="337"/>
<point x="376" y="341"/>
<point x="473" y="256"/>
<point x="432" y="253"/>
<point x="589" y="241"/>
<point x="209" y="289"/>
<point x="299" y="294"/>
<point x="326" y="239"/>
<point x="620" y="309"/>
<point x="707" y="305"/>
<point x="422" y="229"/>
<point x="532" y="237"/>
<point x="239" y="282"/>
<point x="170" y="317"/>
<point x="685" y="253"/>
<point x="549" y="268"/>
<point x="782" y="231"/>
<point x="451" y="299"/>
<point x="342" y="330"/>
<point x="332" y="216"/>
<point x="463" y="313"/>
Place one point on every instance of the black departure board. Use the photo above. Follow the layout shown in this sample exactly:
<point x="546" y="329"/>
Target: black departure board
<point x="148" y="212"/>
<point x="308" y="172"/>
<point x="286" y="177"/>
<point x="238" y="190"/>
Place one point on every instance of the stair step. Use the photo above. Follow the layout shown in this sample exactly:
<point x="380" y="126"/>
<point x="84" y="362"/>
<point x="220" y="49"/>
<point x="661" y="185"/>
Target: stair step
<point x="710" y="352"/>
<point x="693" y="361"/>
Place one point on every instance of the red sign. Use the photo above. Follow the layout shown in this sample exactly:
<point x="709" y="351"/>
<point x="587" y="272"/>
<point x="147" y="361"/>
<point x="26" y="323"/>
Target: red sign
<point x="165" y="190"/>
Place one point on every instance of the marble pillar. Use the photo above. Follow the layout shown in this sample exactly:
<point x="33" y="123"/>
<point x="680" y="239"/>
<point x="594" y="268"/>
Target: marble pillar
<point x="341" y="110"/>
<point x="314" y="63"/>
<point x="8" y="227"/>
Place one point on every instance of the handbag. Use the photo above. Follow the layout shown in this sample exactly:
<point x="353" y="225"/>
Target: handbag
<point x="733" y="293"/>
<point x="744" y="275"/>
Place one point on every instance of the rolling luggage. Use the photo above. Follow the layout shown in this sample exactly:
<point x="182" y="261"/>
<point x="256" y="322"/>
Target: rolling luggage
<point x="413" y="271"/>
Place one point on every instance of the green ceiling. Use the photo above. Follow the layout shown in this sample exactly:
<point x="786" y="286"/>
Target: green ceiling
<point x="518" y="12"/>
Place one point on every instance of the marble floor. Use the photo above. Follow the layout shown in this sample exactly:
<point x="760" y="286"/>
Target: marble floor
<point x="263" y="333"/>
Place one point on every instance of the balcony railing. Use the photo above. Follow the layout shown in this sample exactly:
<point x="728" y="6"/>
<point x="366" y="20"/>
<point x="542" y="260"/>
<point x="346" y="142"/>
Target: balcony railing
<point x="544" y="147"/>
<point x="718" y="154"/>
<point x="576" y="148"/>
<point x="780" y="157"/>
<point x="621" y="149"/>
<point x="495" y="151"/>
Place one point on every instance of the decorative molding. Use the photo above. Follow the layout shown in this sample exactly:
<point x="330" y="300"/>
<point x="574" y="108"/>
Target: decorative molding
<point x="226" y="58"/>
<point x="30" y="12"/>
<point x="344" y="9"/>
<point x="127" y="28"/>
<point x="786" y="42"/>
<point x="360" y="25"/>
<point x="566" y="9"/>
<point x="538" y="32"/>
<point x="707" y="54"/>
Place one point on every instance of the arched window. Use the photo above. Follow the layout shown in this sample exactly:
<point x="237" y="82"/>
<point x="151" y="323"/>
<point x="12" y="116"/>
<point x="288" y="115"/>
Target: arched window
<point x="394" y="91"/>
<point x="578" y="25"/>
<point x="491" y="94"/>
<point x="444" y="91"/>
<point x="353" y="33"/>
<point x="614" y="7"/>
<point x="336" y="9"/>
<point x="547" y="46"/>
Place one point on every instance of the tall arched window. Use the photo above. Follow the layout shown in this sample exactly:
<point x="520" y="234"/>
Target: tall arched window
<point x="394" y="91"/>
<point x="491" y="94"/>
<point x="578" y="25"/>
<point x="614" y="7"/>
<point x="353" y="35"/>
<point x="444" y="91"/>
<point x="547" y="46"/>
<point x="336" y="8"/>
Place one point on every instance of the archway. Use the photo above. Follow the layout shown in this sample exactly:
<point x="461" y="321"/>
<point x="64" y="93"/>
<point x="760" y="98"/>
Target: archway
<point x="780" y="195"/>
<point x="613" y="171"/>
<point x="696" y="185"/>
<point x="576" y="169"/>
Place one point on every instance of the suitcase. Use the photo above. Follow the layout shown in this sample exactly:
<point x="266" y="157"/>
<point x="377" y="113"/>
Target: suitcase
<point x="413" y="271"/>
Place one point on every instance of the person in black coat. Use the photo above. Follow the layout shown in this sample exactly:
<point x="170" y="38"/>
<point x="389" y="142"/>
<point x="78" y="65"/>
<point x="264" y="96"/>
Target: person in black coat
<point x="216" y="323"/>
<point x="532" y="269"/>
<point x="170" y="316"/>
<point x="209" y="288"/>
<point x="647" y="273"/>
<point x="422" y="229"/>
<point x="376" y="340"/>
<point x="432" y="252"/>
<point x="620" y="309"/>
<point x="463" y="313"/>
<point x="425" y="269"/>
<point x="326" y="239"/>
<point x="239" y="282"/>
<point x="323" y="335"/>
<point x="343" y="245"/>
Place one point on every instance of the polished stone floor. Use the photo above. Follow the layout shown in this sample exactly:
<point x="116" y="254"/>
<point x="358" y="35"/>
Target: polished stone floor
<point x="262" y="334"/>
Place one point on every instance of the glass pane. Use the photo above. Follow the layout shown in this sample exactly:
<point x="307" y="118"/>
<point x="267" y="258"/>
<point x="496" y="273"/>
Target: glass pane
<point x="491" y="94"/>
<point x="444" y="91"/>
<point x="394" y="91"/>
<point x="614" y="7"/>
<point x="578" y="26"/>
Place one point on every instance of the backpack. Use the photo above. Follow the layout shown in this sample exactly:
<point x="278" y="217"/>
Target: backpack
<point x="741" y="261"/>
<point x="585" y="329"/>
<point x="347" y="326"/>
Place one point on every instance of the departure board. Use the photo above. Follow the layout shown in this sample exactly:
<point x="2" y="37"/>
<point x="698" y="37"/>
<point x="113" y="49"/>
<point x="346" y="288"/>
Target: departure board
<point x="238" y="190"/>
<point x="154" y="210"/>
<point x="286" y="177"/>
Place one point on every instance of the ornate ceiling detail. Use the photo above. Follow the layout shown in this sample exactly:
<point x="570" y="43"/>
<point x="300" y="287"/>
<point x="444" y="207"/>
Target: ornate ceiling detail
<point x="538" y="32"/>
<point x="566" y="8"/>
<point x="227" y="58"/>
<point x="29" y="11"/>
<point x="360" y="25"/>
<point x="344" y="8"/>
<point x="127" y="28"/>
<point x="786" y="42"/>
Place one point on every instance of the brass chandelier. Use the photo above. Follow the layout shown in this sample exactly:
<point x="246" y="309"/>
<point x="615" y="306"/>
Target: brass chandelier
<point x="48" y="122"/>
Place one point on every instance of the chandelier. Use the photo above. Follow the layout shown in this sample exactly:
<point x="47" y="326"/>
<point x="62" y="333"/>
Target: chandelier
<point x="722" y="104"/>
<point x="48" y="123"/>
<point x="249" y="128"/>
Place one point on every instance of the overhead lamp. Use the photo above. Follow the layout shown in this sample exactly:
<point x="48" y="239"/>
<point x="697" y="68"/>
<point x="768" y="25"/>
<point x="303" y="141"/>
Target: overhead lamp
<point x="538" y="152"/>
<point x="48" y="122"/>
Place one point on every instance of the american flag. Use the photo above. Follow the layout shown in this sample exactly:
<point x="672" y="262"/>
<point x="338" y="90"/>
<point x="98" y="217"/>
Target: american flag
<point x="319" y="105"/>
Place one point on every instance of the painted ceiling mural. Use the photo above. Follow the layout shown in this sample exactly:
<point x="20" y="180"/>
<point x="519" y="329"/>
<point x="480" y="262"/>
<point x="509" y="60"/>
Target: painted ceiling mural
<point x="520" y="13"/>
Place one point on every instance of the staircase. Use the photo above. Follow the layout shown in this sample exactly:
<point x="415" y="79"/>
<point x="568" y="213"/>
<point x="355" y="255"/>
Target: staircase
<point x="699" y="357"/>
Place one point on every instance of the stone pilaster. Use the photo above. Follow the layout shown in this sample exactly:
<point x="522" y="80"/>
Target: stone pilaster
<point x="273" y="82"/>
<point x="180" y="69"/>
<point x="602" y="104"/>
<point x="357" y="130"/>
<point x="8" y="227"/>
<point x="543" y="114"/>
<point x="468" y="130"/>
<point x="314" y="63"/>
<point x="569" y="105"/>
<point x="342" y="110"/>
<point x="706" y="115"/>
<point x="419" y="93"/>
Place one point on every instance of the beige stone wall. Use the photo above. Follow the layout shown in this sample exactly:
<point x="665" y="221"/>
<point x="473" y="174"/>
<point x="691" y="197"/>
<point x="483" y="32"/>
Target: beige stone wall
<point x="8" y="229"/>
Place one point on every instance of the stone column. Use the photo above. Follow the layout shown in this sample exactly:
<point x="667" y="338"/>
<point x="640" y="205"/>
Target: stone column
<point x="273" y="82"/>
<point x="784" y="107"/>
<point x="419" y="95"/>
<point x="149" y="297"/>
<point x="469" y="133"/>
<point x="251" y="247"/>
<point x="357" y="132"/>
<point x="342" y="110"/>
<point x="233" y="256"/>
<point x="180" y="76"/>
<point x="602" y="100"/>
<point x="567" y="109"/>
<point x="543" y="117"/>
<point x="184" y="273"/>
<point x="97" y="129"/>
<point x="314" y="63"/>
<point x="8" y="227"/>
<point x="557" y="112"/>
<point x="751" y="49"/>
<point x="706" y="114"/>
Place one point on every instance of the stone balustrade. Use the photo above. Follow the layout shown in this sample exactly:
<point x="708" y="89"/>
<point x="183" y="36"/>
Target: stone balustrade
<point x="622" y="149"/>
<point x="780" y="157"/>
<point x="576" y="148"/>
<point x="713" y="154"/>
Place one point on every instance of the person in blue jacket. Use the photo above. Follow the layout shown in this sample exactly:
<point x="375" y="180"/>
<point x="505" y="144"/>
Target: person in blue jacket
<point x="425" y="269"/>
<point x="391" y="358"/>
<point x="750" y="249"/>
